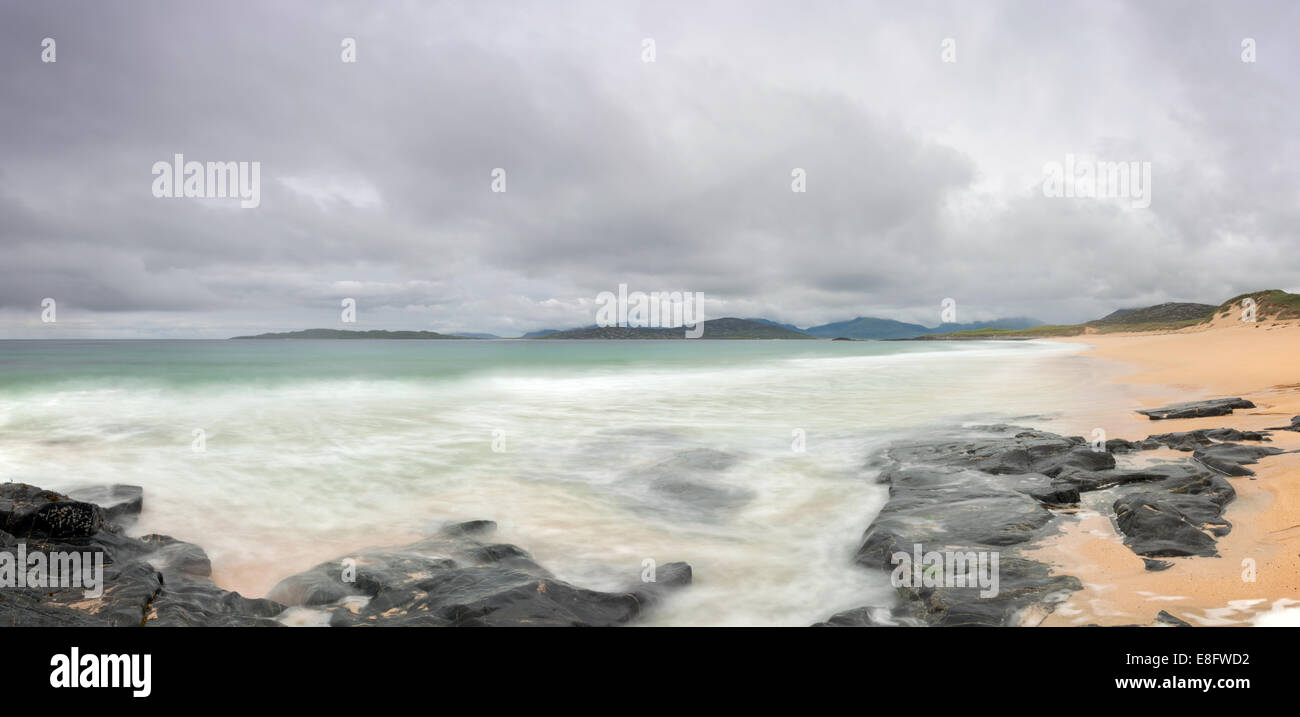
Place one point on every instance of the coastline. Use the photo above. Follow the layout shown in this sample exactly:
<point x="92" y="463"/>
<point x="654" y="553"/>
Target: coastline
<point x="1254" y="361"/>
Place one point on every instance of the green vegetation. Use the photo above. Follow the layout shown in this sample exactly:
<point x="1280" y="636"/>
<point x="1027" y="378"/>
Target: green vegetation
<point x="1269" y="304"/>
<point x="1152" y="326"/>
<point x="1037" y="332"/>
<point x="1169" y="313"/>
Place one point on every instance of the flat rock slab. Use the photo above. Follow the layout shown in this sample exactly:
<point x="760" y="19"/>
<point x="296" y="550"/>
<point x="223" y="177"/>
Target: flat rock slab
<point x="1198" y="409"/>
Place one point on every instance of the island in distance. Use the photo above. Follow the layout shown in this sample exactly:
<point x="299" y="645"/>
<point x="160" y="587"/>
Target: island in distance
<point x="1169" y="316"/>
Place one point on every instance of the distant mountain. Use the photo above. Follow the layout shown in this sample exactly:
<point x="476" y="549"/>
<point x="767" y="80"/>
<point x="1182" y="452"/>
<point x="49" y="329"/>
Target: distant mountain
<point x="727" y="328"/>
<point x="468" y="335"/>
<point x="1169" y="316"/>
<point x="342" y="334"/>
<point x="547" y="332"/>
<point x="1160" y="313"/>
<point x="867" y="327"/>
<point x="792" y="327"/>
<point x="1014" y="323"/>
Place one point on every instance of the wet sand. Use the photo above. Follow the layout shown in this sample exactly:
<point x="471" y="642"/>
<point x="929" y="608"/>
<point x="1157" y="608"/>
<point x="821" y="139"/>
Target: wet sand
<point x="1256" y="579"/>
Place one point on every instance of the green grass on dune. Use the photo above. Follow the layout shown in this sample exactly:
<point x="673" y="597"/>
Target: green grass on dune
<point x="1269" y="304"/>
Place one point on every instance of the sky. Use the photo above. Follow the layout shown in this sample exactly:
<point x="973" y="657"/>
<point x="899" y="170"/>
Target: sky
<point x="922" y="134"/>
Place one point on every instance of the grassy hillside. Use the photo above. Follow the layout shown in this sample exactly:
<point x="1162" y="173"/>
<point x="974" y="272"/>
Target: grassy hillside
<point x="1269" y="304"/>
<point x="1036" y="332"/>
<point x="1163" y="314"/>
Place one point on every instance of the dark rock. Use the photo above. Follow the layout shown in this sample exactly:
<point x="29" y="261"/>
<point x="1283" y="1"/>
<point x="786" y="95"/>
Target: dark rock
<point x="975" y="509"/>
<point x="1192" y="440"/>
<point x="470" y="527"/>
<point x="454" y="580"/>
<point x="1154" y="526"/>
<point x="869" y="617"/>
<point x="1023" y="584"/>
<point x="30" y="512"/>
<point x="973" y="495"/>
<point x="121" y="503"/>
<point x="1198" y="409"/>
<point x="1157" y="565"/>
<point x="155" y="580"/>
<point x="1119" y="445"/>
<point x="689" y="484"/>
<point x="1165" y="618"/>
<point x="1230" y="458"/>
<point x="1295" y="425"/>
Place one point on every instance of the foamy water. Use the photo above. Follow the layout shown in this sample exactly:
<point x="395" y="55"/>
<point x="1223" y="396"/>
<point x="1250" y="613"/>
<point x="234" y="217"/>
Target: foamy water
<point x="614" y="452"/>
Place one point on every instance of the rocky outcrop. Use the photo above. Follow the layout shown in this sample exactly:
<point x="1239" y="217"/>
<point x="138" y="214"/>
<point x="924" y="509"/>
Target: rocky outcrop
<point x="1198" y="409"/>
<point x="456" y="578"/>
<point x="999" y="489"/>
<point x="453" y="578"/>
<point x="154" y="580"/>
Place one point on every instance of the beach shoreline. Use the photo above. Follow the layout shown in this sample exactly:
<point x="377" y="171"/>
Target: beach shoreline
<point x="1254" y="581"/>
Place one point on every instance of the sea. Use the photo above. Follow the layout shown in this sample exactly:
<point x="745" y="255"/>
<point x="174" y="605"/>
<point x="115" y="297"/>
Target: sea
<point x="750" y="460"/>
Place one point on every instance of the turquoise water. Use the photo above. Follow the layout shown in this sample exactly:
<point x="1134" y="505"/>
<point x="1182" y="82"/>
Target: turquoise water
<point x="745" y="458"/>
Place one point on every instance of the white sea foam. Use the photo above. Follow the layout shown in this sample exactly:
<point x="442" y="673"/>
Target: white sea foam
<point x="605" y="465"/>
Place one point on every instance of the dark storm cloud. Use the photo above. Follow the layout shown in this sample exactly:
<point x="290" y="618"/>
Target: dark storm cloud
<point x="923" y="176"/>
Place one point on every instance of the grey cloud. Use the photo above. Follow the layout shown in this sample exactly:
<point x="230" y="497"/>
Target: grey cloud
<point x="922" y="177"/>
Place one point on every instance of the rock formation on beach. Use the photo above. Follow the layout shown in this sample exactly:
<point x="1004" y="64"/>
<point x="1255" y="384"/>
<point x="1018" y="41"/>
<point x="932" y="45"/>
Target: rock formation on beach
<point x="1002" y="488"/>
<point x="1197" y="409"/>
<point x="451" y="579"/>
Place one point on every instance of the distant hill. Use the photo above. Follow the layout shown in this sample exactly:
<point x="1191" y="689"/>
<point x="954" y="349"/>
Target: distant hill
<point x="342" y="334"/>
<point x="1168" y="312"/>
<point x="867" y="327"/>
<point x="726" y="328"/>
<point x="547" y="332"/>
<point x="792" y="327"/>
<point x="1170" y="316"/>
<point x="467" y="335"/>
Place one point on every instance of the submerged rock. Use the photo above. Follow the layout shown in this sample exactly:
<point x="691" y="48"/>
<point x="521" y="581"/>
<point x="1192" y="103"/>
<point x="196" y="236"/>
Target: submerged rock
<point x="454" y="580"/>
<point x="121" y="503"/>
<point x="1198" y="409"/>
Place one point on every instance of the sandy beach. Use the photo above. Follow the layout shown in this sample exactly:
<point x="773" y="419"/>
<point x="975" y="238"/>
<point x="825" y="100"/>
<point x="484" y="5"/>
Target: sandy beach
<point x="1256" y="579"/>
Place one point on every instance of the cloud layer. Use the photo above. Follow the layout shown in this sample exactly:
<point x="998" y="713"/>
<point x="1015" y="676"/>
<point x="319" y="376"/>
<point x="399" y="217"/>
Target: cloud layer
<point x="923" y="176"/>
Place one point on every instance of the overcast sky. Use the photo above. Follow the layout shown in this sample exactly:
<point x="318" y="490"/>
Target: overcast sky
<point x="924" y="178"/>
